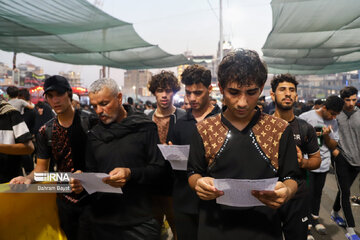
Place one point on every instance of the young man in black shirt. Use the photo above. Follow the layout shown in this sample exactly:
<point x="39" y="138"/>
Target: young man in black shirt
<point x="242" y="143"/>
<point x="62" y="139"/>
<point x="164" y="86"/>
<point x="295" y="213"/>
<point x="197" y="80"/>
<point x="124" y="145"/>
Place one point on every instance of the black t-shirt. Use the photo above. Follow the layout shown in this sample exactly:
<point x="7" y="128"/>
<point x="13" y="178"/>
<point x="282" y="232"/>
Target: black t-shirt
<point x="306" y="139"/>
<point x="241" y="159"/>
<point x="66" y="147"/>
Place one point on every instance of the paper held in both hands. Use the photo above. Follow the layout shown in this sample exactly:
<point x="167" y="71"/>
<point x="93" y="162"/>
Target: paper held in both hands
<point x="92" y="182"/>
<point x="237" y="192"/>
<point x="177" y="155"/>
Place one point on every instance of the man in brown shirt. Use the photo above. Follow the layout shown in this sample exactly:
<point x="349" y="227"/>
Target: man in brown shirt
<point x="164" y="86"/>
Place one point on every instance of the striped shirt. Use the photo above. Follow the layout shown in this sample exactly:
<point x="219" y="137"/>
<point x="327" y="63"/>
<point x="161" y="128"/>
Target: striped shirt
<point x="12" y="130"/>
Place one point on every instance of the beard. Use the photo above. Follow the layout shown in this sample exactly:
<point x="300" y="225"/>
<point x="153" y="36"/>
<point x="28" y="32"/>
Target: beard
<point x="279" y="105"/>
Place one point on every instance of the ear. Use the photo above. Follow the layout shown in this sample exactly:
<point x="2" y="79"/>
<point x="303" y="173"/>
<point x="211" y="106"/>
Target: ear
<point x="119" y="97"/>
<point x="261" y="89"/>
<point x="221" y="89"/>
<point x="210" y="88"/>
<point x="297" y="97"/>
<point x="272" y="95"/>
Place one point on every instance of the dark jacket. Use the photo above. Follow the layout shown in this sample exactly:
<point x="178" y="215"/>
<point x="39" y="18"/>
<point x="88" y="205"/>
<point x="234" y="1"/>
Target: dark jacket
<point x="132" y="143"/>
<point x="185" y="199"/>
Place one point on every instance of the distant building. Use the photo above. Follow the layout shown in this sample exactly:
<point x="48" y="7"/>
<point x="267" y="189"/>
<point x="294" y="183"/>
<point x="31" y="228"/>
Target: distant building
<point x="73" y="77"/>
<point x="135" y="83"/>
<point x="5" y="79"/>
<point x="322" y="86"/>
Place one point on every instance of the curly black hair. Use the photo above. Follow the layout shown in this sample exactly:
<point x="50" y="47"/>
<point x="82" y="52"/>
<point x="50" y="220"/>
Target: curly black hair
<point x="283" y="78"/>
<point x="164" y="79"/>
<point x="243" y="67"/>
<point x="195" y="74"/>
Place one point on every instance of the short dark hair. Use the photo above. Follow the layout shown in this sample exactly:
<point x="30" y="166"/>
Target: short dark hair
<point x="12" y="91"/>
<point x="24" y="93"/>
<point x="283" y="78"/>
<point x="130" y="100"/>
<point x="319" y="102"/>
<point x="148" y="103"/>
<point x="195" y="74"/>
<point x="162" y="80"/>
<point x="243" y="67"/>
<point x="334" y="103"/>
<point x="348" y="91"/>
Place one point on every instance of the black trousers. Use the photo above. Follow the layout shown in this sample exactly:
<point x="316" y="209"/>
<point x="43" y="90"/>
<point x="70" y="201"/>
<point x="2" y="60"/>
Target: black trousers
<point x="316" y="185"/>
<point x="148" y="230"/>
<point x="294" y="218"/>
<point x="186" y="225"/>
<point x="69" y="216"/>
<point x="345" y="175"/>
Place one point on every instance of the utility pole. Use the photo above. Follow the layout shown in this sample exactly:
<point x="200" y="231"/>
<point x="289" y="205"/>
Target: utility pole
<point x="221" y="33"/>
<point x="14" y="61"/>
<point x="103" y="72"/>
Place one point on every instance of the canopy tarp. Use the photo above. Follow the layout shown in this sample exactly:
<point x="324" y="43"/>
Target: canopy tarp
<point x="76" y="32"/>
<point x="313" y="37"/>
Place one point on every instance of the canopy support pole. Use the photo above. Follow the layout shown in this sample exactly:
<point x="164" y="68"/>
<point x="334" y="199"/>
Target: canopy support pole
<point x="14" y="61"/>
<point x="103" y="72"/>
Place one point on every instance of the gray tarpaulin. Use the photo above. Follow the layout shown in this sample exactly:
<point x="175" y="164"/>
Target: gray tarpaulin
<point x="313" y="37"/>
<point x="76" y="32"/>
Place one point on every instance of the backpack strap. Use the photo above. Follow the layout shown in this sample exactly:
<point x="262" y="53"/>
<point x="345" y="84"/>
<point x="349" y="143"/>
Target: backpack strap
<point x="48" y="131"/>
<point x="87" y="121"/>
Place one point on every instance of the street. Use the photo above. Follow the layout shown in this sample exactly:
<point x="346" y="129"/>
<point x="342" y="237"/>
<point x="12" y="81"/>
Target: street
<point x="335" y="232"/>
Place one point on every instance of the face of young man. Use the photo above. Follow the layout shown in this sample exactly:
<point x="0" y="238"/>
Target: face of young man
<point x="328" y="114"/>
<point x="241" y="100"/>
<point x="106" y="105"/>
<point x="350" y="103"/>
<point x="59" y="102"/>
<point x="198" y="95"/>
<point x="284" y="96"/>
<point x="164" y="97"/>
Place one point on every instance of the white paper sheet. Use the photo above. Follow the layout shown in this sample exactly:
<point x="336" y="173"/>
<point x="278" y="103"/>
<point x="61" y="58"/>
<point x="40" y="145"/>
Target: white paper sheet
<point x="237" y="192"/>
<point x="177" y="155"/>
<point x="92" y="182"/>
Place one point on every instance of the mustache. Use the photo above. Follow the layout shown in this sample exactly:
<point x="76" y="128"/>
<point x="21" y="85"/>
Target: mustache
<point x="104" y="115"/>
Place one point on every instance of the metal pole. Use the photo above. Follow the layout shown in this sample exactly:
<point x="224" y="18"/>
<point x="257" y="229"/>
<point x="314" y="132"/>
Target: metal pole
<point x="221" y="33"/>
<point x="14" y="61"/>
<point x="103" y="72"/>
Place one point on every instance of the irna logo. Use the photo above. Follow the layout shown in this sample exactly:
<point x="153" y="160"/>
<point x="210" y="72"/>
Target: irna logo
<point x="51" y="177"/>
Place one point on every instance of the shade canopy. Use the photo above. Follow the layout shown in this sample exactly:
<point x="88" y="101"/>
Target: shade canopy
<point x="313" y="37"/>
<point x="76" y="32"/>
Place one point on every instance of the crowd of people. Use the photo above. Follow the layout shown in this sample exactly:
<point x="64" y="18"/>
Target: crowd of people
<point x="243" y="139"/>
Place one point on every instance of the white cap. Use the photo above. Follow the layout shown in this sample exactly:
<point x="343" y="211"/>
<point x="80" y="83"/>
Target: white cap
<point x="75" y="97"/>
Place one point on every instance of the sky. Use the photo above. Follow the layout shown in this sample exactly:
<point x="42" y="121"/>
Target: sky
<point x="176" y="26"/>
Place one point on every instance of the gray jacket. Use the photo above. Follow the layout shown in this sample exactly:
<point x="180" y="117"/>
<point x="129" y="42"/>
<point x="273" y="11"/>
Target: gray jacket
<point x="349" y="135"/>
